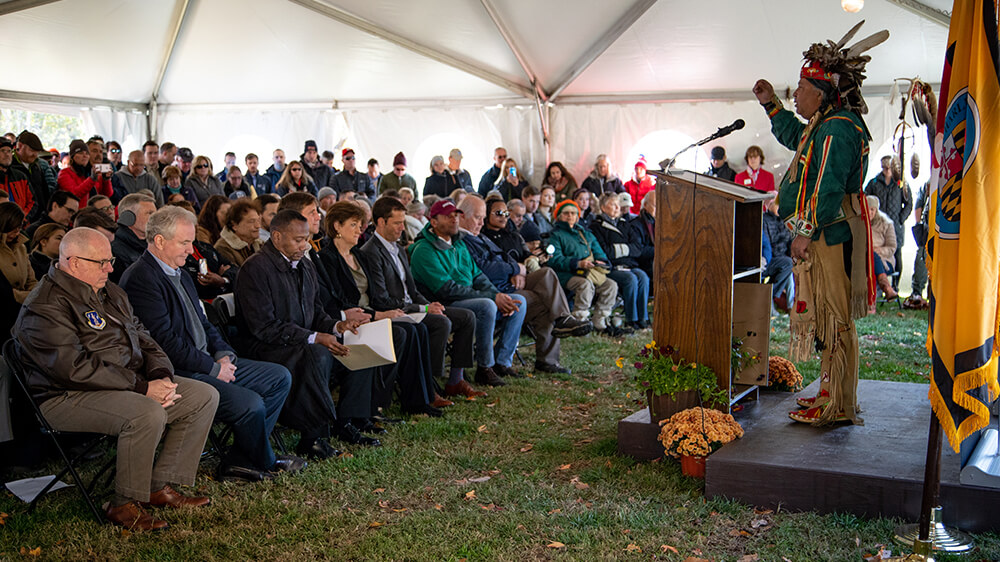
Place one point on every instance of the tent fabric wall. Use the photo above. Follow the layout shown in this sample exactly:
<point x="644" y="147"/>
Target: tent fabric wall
<point x="129" y="128"/>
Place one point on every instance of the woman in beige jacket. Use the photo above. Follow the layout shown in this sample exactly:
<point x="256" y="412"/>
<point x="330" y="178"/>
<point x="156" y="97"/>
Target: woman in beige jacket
<point x="884" y="245"/>
<point x="14" y="260"/>
<point x="240" y="238"/>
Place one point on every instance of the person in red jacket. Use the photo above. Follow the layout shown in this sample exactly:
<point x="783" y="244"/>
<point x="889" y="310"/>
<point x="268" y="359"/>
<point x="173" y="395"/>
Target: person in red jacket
<point x="755" y="176"/>
<point x="80" y="178"/>
<point x="639" y="185"/>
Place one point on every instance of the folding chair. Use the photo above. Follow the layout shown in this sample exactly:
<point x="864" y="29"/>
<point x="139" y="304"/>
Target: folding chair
<point x="11" y="356"/>
<point x="881" y="295"/>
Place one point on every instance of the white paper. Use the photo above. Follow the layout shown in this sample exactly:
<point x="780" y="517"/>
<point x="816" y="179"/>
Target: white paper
<point x="370" y="347"/>
<point x="28" y="488"/>
<point x="412" y="318"/>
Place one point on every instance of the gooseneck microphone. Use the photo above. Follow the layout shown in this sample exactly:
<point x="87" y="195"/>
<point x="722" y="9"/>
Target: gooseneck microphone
<point x="723" y="131"/>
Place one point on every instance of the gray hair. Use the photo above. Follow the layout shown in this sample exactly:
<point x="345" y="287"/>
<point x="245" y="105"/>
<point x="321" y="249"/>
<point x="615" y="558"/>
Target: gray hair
<point x="649" y="196"/>
<point x="416" y="207"/>
<point x="470" y="203"/>
<point x="132" y="201"/>
<point x="515" y="203"/>
<point x="437" y="158"/>
<point x="164" y="222"/>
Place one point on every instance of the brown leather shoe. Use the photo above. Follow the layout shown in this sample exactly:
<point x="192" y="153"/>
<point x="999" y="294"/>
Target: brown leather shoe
<point x="488" y="376"/>
<point x="170" y="497"/>
<point x="441" y="402"/>
<point x="463" y="388"/>
<point x="134" y="518"/>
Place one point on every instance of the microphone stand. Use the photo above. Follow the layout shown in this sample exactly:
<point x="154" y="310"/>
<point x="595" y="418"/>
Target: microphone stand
<point x="665" y="165"/>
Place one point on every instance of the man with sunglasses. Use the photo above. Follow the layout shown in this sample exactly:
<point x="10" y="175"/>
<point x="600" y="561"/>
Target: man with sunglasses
<point x="398" y="179"/>
<point x="350" y="179"/>
<point x="92" y="367"/>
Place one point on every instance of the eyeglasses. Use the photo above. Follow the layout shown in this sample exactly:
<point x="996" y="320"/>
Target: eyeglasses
<point x="400" y="168"/>
<point x="501" y="213"/>
<point x="101" y="263"/>
<point x="348" y="158"/>
<point x="115" y="151"/>
<point x="200" y="166"/>
<point x="296" y="169"/>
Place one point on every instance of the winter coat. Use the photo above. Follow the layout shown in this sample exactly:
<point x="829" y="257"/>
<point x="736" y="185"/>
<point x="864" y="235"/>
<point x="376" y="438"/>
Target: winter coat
<point x="446" y="272"/>
<point x="618" y="239"/>
<point x="569" y="246"/>
<point x="203" y="189"/>
<point x="598" y="185"/>
<point x="81" y="186"/>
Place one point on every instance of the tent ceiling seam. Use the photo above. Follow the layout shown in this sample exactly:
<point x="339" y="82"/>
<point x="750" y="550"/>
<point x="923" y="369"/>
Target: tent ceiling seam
<point x="349" y="19"/>
<point x="512" y="45"/>
<point x="925" y="11"/>
<point x="179" y="18"/>
<point x="610" y="36"/>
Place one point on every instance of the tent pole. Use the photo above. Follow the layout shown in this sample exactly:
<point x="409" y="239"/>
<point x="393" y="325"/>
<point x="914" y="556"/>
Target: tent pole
<point x="512" y="45"/>
<point x="151" y="119"/>
<point x="18" y="5"/>
<point x="924" y="11"/>
<point x="179" y="17"/>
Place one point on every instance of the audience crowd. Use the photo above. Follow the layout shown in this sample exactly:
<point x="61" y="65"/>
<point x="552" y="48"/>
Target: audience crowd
<point x="135" y="280"/>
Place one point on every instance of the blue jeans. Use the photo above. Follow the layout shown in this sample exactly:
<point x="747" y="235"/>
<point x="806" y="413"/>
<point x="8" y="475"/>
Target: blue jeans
<point x="487" y="318"/>
<point x="633" y="285"/>
<point x="251" y="405"/>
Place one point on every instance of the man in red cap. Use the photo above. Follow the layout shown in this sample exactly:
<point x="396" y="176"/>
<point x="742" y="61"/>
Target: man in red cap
<point x="350" y="179"/>
<point x="398" y="179"/>
<point x="445" y="271"/>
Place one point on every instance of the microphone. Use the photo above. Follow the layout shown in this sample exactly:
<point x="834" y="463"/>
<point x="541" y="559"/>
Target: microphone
<point x="736" y="126"/>
<point x="723" y="131"/>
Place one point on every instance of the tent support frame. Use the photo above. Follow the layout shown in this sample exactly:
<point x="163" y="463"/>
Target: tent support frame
<point x="18" y="5"/>
<point x="924" y="11"/>
<point x="180" y="16"/>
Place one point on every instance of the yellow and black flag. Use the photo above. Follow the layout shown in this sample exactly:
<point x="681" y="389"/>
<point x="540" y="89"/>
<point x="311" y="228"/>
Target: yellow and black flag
<point x="963" y="251"/>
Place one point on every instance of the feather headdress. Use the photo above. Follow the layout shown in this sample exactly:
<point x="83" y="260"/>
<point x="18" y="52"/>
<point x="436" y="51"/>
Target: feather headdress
<point x="842" y="67"/>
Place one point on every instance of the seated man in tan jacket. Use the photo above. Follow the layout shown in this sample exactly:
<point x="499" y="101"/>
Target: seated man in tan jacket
<point x="93" y="367"/>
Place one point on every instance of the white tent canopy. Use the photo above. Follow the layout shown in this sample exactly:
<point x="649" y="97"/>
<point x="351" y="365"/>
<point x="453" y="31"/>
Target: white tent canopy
<point x="422" y="77"/>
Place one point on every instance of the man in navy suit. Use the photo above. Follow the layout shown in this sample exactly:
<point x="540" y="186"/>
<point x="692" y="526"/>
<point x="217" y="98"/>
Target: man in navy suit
<point x="165" y="300"/>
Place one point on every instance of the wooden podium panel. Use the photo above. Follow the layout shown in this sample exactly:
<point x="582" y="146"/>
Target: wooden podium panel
<point x="708" y="242"/>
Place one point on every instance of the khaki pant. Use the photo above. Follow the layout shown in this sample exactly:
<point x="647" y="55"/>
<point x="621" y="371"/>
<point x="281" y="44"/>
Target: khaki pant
<point x="584" y="291"/>
<point x="140" y="422"/>
<point x="546" y="302"/>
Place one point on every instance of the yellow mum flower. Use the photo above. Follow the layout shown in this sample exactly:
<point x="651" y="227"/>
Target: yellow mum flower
<point x="620" y="362"/>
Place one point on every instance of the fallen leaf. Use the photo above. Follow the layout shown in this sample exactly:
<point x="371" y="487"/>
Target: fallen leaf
<point x="375" y="524"/>
<point x="480" y="479"/>
<point x="470" y="494"/>
<point x="489" y="507"/>
<point x="527" y="448"/>
<point x="763" y="511"/>
<point x="378" y="490"/>
<point x="749" y="558"/>
<point x="632" y="547"/>
<point x="400" y="510"/>
<point x="556" y="544"/>
<point x="758" y="523"/>
<point x="482" y="429"/>
<point x="557" y="510"/>
<point x="666" y="547"/>
<point x="383" y="504"/>
<point x="491" y="404"/>
<point x="439" y="507"/>
<point x="565" y="467"/>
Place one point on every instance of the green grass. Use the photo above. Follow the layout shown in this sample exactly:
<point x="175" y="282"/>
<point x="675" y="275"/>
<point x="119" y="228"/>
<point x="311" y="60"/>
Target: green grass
<point x="413" y="498"/>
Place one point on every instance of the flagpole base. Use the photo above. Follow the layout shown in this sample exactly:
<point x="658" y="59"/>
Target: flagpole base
<point x="940" y="538"/>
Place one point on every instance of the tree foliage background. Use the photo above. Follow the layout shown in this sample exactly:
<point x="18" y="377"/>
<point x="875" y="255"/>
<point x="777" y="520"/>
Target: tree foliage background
<point x="55" y="131"/>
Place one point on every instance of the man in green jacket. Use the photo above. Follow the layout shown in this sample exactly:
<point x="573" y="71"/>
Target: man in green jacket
<point x="821" y="201"/>
<point x="444" y="269"/>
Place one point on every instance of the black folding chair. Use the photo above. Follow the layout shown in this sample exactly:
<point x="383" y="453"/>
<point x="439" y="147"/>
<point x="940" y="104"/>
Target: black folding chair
<point x="11" y="356"/>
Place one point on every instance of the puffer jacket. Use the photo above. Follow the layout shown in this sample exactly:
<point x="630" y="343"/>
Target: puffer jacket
<point x="569" y="246"/>
<point x="618" y="239"/>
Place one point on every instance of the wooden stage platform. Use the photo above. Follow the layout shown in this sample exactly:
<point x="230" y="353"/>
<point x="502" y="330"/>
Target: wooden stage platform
<point x="871" y="470"/>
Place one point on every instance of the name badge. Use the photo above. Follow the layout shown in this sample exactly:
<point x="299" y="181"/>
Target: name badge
<point x="94" y="320"/>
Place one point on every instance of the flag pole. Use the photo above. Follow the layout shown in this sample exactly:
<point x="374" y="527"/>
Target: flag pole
<point x="930" y="534"/>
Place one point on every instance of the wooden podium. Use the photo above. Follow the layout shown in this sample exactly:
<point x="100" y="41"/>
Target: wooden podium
<point x="708" y="287"/>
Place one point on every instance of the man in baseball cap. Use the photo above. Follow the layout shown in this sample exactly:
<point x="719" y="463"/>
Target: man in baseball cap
<point x="41" y="177"/>
<point x="445" y="271"/>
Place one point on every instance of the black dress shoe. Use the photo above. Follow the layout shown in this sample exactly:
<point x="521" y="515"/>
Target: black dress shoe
<point x="365" y="425"/>
<point x="567" y="326"/>
<point x="504" y="371"/>
<point x="288" y="463"/>
<point x="547" y="367"/>
<point x="243" y="474"/>
<point x="424" y="409"/>
<point x="350" y="434"/>
<point x="487" y="375"/>
<point x="317" y="449"/>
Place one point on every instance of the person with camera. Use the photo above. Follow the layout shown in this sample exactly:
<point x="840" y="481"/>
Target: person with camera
<point x="83" y="178"/>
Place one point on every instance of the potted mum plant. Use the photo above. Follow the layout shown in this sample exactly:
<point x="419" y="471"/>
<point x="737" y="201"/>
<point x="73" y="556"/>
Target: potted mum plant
<point x="671" y="383"/>
<point x="693" y="434"/>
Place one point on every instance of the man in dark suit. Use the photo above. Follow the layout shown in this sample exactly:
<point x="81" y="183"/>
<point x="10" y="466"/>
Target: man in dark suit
<point x="282" y="320"/>
<point x="391" y="287"/>
<point x="251" y="392"/>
